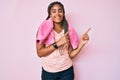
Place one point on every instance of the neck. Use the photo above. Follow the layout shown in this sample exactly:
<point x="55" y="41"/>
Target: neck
<point x="58" y="27"/>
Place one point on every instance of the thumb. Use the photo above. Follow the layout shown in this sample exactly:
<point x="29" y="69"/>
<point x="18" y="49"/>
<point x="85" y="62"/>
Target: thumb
<point x="66" y="33"/>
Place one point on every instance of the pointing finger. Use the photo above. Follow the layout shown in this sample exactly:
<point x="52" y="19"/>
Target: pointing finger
<point x="87" y="30"/>
<point x="66" y="33"/>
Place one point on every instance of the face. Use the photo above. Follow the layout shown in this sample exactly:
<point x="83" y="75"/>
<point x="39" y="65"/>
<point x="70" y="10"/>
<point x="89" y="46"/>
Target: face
<point x="56" y="13"/>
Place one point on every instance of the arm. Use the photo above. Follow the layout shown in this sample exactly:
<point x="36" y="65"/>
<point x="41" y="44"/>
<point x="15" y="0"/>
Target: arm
<point x="83" y="41"/>
<point x="74" y="52"/>
<point x="43" y="50"/>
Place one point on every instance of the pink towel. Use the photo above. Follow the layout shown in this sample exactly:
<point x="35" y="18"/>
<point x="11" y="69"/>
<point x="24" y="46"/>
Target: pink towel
<point x="45" y="34"/>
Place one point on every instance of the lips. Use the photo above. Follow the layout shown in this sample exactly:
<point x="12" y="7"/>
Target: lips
<point x="58" y="17"/>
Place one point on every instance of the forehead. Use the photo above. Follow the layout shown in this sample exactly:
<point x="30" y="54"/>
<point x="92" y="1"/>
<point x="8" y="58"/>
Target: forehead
<point x="56" y="6"/>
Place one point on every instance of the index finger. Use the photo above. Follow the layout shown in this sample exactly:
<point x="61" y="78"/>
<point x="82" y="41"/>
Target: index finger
<point x="66" y="33"/>
<point x="87" y="30"/>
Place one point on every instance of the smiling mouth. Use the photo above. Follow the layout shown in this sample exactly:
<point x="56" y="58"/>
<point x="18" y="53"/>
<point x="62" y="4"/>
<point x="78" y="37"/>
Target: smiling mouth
<point x="57" y="17"/>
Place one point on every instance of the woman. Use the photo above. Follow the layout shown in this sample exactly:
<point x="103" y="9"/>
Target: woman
<point x="57" y="43"/>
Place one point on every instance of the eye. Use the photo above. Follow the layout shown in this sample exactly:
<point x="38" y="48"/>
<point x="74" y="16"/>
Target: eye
<point x="60" y="10"/>
<point x="53" y="11"/>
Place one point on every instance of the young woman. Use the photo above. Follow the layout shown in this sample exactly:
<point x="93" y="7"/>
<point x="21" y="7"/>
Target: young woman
<point x="57" y="43"/>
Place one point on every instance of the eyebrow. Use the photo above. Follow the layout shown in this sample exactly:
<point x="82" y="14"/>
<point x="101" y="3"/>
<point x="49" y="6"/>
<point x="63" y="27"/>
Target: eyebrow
<point x="58" y="9"/>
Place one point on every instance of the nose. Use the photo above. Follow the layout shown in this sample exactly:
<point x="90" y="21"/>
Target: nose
<point x="57" y="13"/>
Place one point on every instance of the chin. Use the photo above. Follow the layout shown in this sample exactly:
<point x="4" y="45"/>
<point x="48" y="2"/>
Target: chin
<point x="58" y="21"/>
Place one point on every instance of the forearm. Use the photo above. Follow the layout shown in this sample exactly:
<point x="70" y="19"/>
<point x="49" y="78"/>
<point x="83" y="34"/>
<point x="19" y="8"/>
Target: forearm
<point x="46" y="50"/>
<point x="76" y="51"/>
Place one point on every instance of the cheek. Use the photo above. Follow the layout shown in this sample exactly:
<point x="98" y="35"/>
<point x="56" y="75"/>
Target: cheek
<point x="62" y="14"/>
<point x="52" y="15"/>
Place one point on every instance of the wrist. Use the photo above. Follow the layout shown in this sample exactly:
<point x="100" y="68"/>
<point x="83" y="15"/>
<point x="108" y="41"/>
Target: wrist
<point x="55" y="45"/>
<point x="81" y="44"/>
<point x="58" y="43"/>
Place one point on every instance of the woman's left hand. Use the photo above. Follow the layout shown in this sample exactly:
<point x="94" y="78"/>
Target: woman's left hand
<point x="85" y="37"/>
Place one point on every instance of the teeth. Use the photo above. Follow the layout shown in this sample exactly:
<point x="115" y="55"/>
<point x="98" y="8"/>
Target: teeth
<point x="58" y="17"/>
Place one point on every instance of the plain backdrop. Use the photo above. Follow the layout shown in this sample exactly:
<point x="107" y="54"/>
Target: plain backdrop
<point x="98" y="60"/>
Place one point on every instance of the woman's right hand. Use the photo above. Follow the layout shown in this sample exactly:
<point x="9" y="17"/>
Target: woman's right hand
<point x="63" y="40"/>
